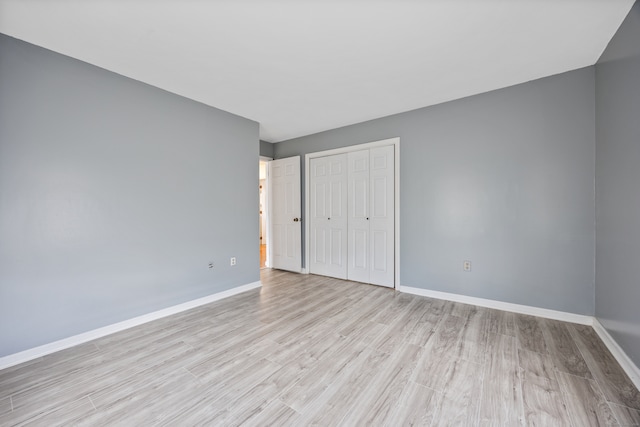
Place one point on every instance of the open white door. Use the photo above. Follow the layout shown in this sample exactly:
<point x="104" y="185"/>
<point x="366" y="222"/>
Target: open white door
<point x="285" y="215"/>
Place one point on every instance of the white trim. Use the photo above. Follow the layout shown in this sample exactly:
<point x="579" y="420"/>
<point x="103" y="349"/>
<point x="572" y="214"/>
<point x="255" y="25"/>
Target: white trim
<point x="43" y="350"/>
<point x="396" y="152"/>
<point x="627" y="364"/>
<point x="500" y="305"/>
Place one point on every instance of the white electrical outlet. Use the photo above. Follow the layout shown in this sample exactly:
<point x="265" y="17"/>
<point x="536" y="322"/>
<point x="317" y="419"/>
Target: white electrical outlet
<point x="233" y="260"/>
<point x="211" y="265"/>
<point x="466" y="265"/>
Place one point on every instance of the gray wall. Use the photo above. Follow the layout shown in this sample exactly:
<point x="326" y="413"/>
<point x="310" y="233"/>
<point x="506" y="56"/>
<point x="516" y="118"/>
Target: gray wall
<point x="618" y="186"/>
<point x="266" y="149"/>
<point x="504" y="179"/>
<point x="114" y="197"/>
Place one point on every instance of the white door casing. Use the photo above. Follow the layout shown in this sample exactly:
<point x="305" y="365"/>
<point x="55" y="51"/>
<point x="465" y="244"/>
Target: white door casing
<point x="328" y="216"/>
<point x="285" y="218"/>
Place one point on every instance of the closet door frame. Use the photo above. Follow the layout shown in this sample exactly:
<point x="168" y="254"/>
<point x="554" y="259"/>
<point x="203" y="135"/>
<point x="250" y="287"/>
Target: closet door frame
<point x="395" y="142"/>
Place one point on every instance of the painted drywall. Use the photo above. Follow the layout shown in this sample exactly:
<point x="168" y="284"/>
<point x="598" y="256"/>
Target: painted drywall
<point x="503" y="179"/>
<point x="114" y="197"/>
<point x="266" y="149"/>
<point x="617" y="180"/>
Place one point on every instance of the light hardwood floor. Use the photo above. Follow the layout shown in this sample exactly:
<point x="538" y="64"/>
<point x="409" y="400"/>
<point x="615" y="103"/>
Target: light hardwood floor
<point x="310" y="350"/>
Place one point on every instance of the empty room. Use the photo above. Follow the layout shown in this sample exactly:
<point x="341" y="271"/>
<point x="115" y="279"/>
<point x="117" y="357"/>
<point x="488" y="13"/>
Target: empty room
<point x="281" y="212"/>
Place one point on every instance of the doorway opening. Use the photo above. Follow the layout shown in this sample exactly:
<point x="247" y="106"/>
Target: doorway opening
<point x="263" y="189"/>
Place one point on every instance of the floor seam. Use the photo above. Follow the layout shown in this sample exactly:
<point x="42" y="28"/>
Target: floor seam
<point x="92" y="404"/>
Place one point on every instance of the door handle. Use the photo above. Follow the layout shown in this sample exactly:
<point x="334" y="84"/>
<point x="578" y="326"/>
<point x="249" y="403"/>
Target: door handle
<point x="296" y="219"/>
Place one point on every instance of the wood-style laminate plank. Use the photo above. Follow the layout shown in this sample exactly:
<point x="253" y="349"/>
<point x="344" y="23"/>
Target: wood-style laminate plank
<point x="501" y="322"/>
<point x="465" y="311"/>
<point x="363" y="316"/>
<point x="205" y="401"/>
<point x="529" y="333"/>
<point x="88" y="380"/>
<point x="542" y="399"/>
<point x="147" y="405"/>
<point x="331" y="370"/>
<point x="416" y="406"/>
<point x="424" y="328"/>
<point x="49" y="370"/>
<point x="395" y="305"/>
<point x="440" y="307"/>
<point x="439" y="356"/>
<point x="501" y="402"/>
<point x="614" y="382"/>
<point x="315" y="339"/>
<point x="338" y="399"/>
<point x="587" y="406"/>
<point x="375" y="406"/>
<point x="396" y="330"/>
<point x="326" y="348"/>
<point x="125" y="381"/>
<point x="248" y="404"/>
<point x="543" y="402"/>
<point x="274" y="414"/>
<point x="624" y="415"/>
<point x="473" y="342"/>
<point x="460" y="404"/>
<point x="367" y="332"/>
<point x="55" y="416"/>
<point x="310" y="321"/>
<point x="536" y="364"/>
<point x="563" y="350"/>
<point x="233" y="366"/>
<point x="5" y="405"/>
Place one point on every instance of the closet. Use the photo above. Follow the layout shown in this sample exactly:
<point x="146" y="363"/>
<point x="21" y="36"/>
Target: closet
<point x="352" y="219"/>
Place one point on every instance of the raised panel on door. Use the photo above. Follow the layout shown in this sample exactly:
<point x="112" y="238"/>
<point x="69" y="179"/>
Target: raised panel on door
<point x="319" y="182"/>
<point x="328" y="222"/>
<point x="382" y="216"/>
<point x="284" y="202"/>
<point x="337" y="255"/>
<point x="358" y="212"/>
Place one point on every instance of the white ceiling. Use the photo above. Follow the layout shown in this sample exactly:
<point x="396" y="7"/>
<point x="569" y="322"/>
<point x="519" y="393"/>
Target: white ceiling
<point x="299" y="66"/>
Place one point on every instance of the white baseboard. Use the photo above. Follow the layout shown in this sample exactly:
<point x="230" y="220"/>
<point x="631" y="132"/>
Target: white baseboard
<point x="500" y="305"/>
<point x="43" y="350"/>
<point x="627" y="364"/>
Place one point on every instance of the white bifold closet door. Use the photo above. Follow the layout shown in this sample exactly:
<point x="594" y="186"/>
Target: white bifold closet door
<point x="328" y="216"/>
<point x="351" y="218"/>
<point x="371" y="221"/>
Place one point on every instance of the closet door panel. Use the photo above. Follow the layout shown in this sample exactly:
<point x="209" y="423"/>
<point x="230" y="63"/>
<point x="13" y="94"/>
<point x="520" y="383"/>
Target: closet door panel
<point x="358" y="211"/>
<point x="337" y="199"/>
<point x="328" y="221"/>
<point x="318" y="211"/>
<point x="382" y="216"/>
